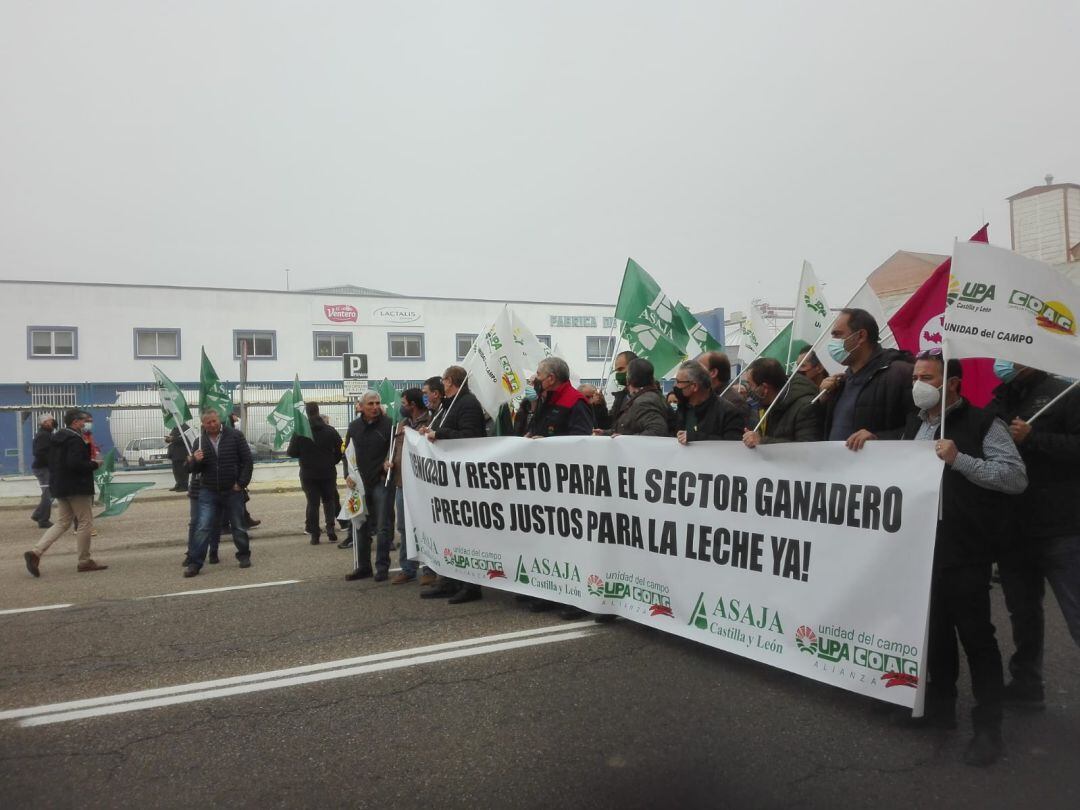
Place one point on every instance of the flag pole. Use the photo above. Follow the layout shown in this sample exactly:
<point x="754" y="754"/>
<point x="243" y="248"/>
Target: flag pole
<point x="609" y="360"/>
<point x="1051" y="402"/>
<point x="791" y="377"/>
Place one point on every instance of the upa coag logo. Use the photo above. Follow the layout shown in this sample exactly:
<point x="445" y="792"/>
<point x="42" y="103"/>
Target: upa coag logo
<point x="639" y="593"/>
<point x="836" y="650"/>
<point x="1053" y="316"/>
<point x="491" y="564"/>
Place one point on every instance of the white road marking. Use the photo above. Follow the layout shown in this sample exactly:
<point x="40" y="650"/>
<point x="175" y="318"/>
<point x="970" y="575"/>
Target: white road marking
<point x="240" y="680"/>
<point x="32" y="609"/>
<point x="280" y="683"/>
<point x="220" y="590"/>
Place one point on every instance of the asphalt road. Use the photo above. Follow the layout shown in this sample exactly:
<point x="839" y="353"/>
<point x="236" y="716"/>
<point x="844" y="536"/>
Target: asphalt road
<point x="404" y="702"/>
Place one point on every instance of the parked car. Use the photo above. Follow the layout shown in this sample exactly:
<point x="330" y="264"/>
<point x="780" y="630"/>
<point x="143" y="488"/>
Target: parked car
<point x="263" y="449"/>
<point x="149" y="450"/>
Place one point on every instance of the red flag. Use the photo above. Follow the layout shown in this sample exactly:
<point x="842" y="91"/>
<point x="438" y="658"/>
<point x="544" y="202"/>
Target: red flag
<point x="917" y="326"/>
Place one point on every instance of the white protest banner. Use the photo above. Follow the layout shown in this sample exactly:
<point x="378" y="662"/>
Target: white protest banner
<point x="807" y="557"/>
<point x="1007" y="306"/>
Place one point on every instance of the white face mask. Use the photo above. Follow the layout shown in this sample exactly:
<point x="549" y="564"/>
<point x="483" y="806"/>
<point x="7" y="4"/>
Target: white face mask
<point x="925" y="395"/>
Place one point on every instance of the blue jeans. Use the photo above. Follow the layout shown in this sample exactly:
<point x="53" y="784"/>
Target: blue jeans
<point x="193" y="523"/>
<point x="1023" y="575"/>
<point x="212" y="505"/>
<point x="379" y="501"/>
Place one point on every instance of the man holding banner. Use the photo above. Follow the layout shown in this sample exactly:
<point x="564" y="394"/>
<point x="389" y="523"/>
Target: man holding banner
<point x="981" y="463"/>
<point x="872" y="399"/>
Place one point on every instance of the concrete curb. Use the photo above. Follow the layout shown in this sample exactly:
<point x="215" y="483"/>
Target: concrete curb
<point x="21" y="502"/>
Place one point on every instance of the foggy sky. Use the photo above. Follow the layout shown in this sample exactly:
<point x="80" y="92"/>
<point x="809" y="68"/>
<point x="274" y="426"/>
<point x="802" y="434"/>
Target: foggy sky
<point x="522" y="150"/>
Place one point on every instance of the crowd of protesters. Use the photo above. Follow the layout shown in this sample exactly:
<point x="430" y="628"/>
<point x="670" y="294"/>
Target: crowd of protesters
<point x="1010" y="491"/>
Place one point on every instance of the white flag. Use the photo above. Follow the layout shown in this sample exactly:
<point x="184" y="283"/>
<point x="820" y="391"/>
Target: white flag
<point x="812" y="318"/>
<point x="352" y="505"/>
<point x="755" y="336"/>
<point x="495" y="367"/>
<point x="1009" y="307"/>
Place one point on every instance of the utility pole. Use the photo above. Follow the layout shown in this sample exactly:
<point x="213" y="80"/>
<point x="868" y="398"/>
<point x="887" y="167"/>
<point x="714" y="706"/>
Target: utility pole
<point x="286" y="279"/>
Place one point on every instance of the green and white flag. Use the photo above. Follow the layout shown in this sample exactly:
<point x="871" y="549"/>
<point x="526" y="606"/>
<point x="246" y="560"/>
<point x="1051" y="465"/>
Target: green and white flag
<point x="756" y="335"/>
<point x="780" y="346"/>
<point x="115" y="497"/>
<point x="391" y="400"/>
<point x="811" y="318"/>
<point x="289" y="417"/>
<point x="650" y="324"/>
<point x="212" y="394"/>
<point x="173" y="402"/>
<point x="700" y="338"/>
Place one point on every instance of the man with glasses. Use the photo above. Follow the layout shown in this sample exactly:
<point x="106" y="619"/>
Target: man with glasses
<point x="702" y="415"/>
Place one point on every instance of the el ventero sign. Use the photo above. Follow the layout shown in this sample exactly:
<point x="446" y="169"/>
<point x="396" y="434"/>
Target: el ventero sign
<point x="341" y="313"/>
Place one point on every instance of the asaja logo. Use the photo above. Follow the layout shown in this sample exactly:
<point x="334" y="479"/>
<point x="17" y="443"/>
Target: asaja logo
<point x="340" y="313"/>
<point x="546" y="574"/>
<point x="1053" y="316"/>
<point x="733" y="612"/>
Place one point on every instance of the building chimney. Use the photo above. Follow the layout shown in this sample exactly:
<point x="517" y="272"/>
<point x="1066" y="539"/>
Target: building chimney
<point x="1049" y="179"/>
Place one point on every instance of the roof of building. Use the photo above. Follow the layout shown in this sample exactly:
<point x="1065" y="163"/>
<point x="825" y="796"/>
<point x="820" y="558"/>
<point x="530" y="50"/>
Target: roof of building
<point x="903" y="272"/>
<point x="367" y="292"/>
<point x="349" y="289"/>
<point x="1031" y="192"/>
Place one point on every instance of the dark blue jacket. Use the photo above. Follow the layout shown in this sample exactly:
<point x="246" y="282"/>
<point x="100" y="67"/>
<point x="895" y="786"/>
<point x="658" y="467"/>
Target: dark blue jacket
<point x="229" y="465"/>
<point x="71" y="472"/>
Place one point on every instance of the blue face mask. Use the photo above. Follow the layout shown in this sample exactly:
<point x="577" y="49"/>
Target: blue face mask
<point x="1005" y="370"/>
<point x="427" y="402"/>
<point x="837" y="350"/>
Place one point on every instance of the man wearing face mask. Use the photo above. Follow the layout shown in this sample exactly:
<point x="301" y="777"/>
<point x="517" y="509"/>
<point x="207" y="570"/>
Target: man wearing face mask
<point x="71" y="478"/>
<point x="40" y="469"/>
<point x="795" y="418"/>
<point x="645" y="412"/>
<point x="701" y="414"/>
<point x="718" y="367"/>
<point x="460" y="417"/>
<point x="981" y="464"/>
<point x="1044" y="538"/>
<point x="619" y="401"/>
<point x="561" y="409"/>
<point x="872" y="399"/>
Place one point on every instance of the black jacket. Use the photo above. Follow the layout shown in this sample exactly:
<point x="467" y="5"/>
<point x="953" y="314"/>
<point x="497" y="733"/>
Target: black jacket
<point x="796" y="417"/>
<point x="460" y="417"/>
<point x="1050" y="507"/>
<point x="646" y="414"/>
<point x="71" y="471"/>
<point x="42" y="443"/>
<point x="713" y="420"/>
<point x="885" y="403"/>
<point x="971" y="528"/>
<point x="741" y="406"/>
<point x="371" y="443"/>
<point x="319" y="455"/>
<point x="226" y="467"/>
<point x="562" y="411"/>
<point x="177" y="449"/>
